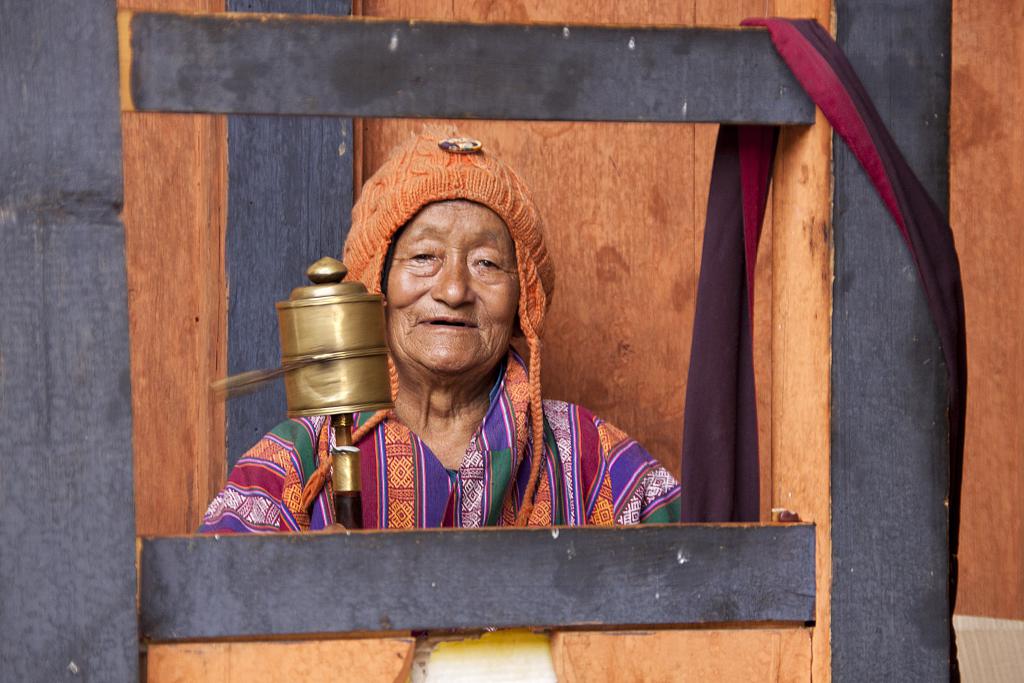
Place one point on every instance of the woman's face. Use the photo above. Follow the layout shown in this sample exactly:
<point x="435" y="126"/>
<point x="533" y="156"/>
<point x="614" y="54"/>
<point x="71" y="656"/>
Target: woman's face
<point x="453" y="290"/>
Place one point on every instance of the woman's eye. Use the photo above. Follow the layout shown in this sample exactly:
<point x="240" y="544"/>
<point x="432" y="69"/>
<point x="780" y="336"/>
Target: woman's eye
<point x="423" y="258"/>
<point x="484" y="263"/>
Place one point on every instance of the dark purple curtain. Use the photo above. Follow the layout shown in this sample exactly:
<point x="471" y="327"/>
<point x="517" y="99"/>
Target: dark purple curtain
<point x="720" y="466"/>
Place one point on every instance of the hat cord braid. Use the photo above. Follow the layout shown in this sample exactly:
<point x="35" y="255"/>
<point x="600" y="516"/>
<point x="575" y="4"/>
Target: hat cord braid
<point x="537" y="419"/>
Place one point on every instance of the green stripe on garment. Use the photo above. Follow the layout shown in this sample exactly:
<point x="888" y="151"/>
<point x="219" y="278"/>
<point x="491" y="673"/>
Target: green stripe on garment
<point x="501" y="471"/>
<point x="296" y="433"/>
<point x="667" y="514"/>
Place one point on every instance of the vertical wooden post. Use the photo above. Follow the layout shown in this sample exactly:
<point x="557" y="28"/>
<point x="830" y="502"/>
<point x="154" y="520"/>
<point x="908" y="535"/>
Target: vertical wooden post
<point x="289" y="203"/>
<point x="801" y="339"/>
<point x="890" y="457"/>
<point x="67" y="540"/>
<point x="174" y="214"/>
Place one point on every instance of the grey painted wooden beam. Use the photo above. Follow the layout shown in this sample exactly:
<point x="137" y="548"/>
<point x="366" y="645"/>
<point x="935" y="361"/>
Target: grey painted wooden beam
<point x="890" y="451"/>
<point x="242" y="586"/>
<point x="67" y="539"/>
<point x="289" y="203"/>
<point x="281" y="64"/>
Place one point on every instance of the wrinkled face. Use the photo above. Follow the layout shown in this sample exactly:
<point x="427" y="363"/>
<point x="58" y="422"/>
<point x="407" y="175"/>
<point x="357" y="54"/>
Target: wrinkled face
<point x="453" y="290"/>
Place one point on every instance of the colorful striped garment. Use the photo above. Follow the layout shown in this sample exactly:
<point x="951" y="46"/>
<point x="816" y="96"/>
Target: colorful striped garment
<point x="592" y="473"/>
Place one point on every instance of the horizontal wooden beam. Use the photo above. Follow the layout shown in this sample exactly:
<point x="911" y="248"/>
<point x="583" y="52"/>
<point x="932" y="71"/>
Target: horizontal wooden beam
<point x="287" y="64"/>
<point x="239" y="586"/>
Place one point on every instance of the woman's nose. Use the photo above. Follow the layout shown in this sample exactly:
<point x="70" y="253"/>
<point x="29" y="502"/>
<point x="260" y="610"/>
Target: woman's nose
<point x="453" y="286"/>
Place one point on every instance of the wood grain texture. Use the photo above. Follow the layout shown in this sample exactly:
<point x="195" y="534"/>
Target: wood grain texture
<point x="724" y="656"/>
<point x="210" y="587"/>
<point x="987" y="214"/>
<point x="369" y="660"/>
<point x="67" y="536"/>
<point x="241" y="64"/>
<point x="890" y="450"/>
<point x="289" y="201"/>
<point x="801" y="350"/>
<point x="174" y="215"/>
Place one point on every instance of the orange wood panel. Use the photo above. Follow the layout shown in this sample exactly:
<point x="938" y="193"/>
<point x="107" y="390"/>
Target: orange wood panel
<point x="174" y="217"/>
<point x="801" y="338"/>
<point x="987" y="215"/>
<point x="741" y="655"/>
<point x="383" y="660"/>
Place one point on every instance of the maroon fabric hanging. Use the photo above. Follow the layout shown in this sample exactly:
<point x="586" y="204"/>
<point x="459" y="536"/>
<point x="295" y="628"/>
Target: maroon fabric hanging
<point x="720" y="466"/>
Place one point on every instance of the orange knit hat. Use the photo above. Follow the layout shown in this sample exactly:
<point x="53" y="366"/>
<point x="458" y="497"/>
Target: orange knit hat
<point x="421" y="172"/>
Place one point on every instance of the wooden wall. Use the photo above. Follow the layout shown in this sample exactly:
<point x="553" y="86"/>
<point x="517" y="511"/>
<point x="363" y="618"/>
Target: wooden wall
<point x="617" y="198"/>
<point x="175" y="169"/>
<point x="652" y="181"/>
<point x="987" y="214"/>
<point x="626" y="195"/>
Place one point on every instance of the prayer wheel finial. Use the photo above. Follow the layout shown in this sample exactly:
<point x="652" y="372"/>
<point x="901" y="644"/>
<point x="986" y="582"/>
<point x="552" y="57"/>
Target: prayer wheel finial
<point x="327" y="270"/>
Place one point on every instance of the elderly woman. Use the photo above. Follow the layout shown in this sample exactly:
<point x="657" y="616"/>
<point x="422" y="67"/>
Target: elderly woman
<point x="451" y="237"/>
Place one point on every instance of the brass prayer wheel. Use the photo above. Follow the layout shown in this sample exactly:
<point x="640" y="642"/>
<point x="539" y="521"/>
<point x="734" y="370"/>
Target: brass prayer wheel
<point x="333" y="342"/>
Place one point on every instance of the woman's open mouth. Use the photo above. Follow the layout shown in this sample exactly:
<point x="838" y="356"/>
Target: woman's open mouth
<point x="450" y="322"/>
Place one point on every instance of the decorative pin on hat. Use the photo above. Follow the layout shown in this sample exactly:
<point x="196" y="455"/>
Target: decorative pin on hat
<point x="461" y="145"/>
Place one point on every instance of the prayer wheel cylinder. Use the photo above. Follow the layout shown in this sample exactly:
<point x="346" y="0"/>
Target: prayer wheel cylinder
<point x="333" y="341"/>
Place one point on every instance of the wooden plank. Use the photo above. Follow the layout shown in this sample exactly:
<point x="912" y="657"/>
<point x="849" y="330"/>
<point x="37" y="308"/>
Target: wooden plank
<point x="890" y="462"/>
<point x="289" y="203"/>
<point x="387" y="660"/>
<point x="284" y="65"/>
<point x="749" y="655"/>
<point x="987" y="212"/>
<point x="801" y="345"/>
<point x="174" y="224"/>
<point x="67" y="537"/>
<point x="174" y="215"/>
<point x="209" y="587"/>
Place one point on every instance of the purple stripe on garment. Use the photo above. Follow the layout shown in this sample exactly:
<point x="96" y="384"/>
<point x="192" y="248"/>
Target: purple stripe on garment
<point x="230" y="523"/>
<point x="553" y="487"/>
<point x="382" y="479"/>
<point x="250" y="463"/>
<point x="574" y="504"/>
<point x="283" y="443"/>
<point x="626" y="473"/>
<point x="433" y="485"/>
<point x="485" y="492"/>
<point x="522" y="474"/>
<point x="311" y="430"/>
<point x="289" y="519"/>
<point x="660" y="502"/>
<point x="498" y="426"/>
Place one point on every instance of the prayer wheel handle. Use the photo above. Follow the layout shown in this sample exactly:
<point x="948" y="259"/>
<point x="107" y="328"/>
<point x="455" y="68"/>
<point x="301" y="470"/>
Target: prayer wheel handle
<point x="348" y="510"/>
